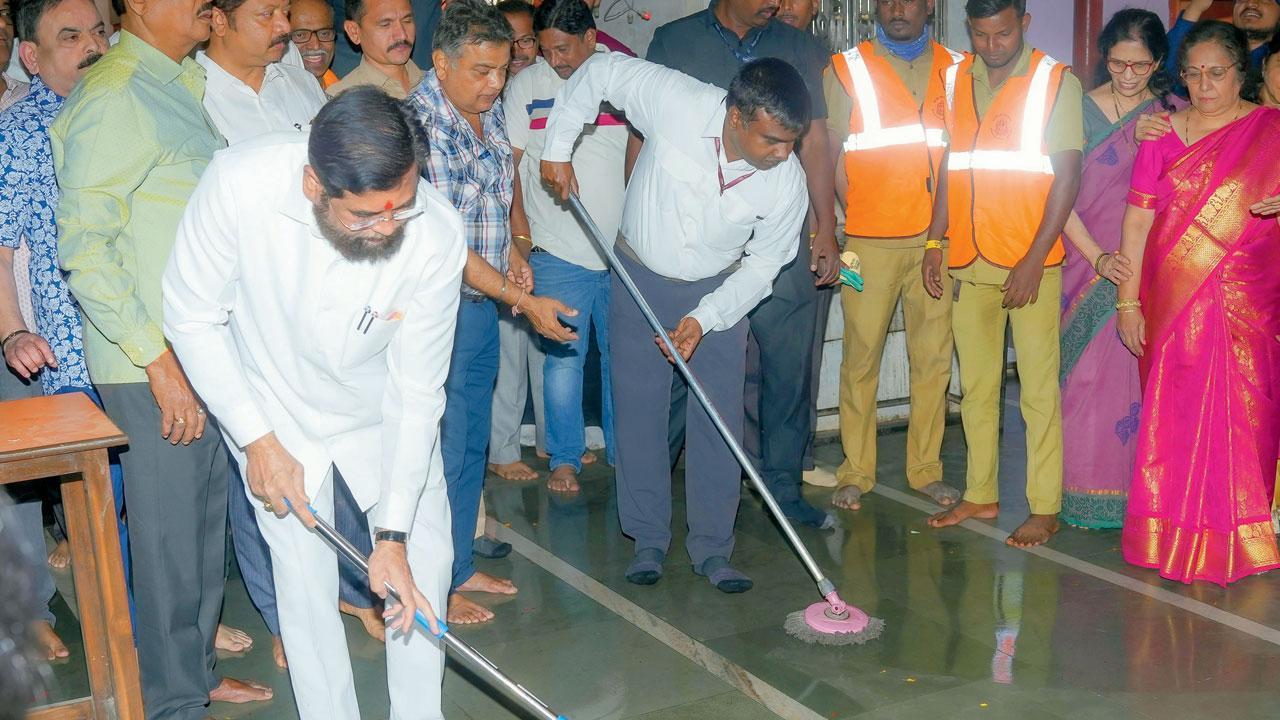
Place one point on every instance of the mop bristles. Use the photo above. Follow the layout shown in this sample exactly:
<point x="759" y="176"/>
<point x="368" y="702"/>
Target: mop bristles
<point x="857" y="629"/>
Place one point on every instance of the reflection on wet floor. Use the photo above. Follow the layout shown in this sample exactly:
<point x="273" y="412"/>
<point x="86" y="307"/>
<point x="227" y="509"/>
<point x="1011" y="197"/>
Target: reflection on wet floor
<point x="974" y="629"/>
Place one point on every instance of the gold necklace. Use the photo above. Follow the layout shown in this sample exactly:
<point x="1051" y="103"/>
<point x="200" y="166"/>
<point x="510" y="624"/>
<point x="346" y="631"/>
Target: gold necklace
<point x="1190" y="142"/>
<point x="1115" y="101"/>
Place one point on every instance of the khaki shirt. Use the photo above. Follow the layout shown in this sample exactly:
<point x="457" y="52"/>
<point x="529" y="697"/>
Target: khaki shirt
<point x="915" y="75"/>
<point x="366" y="74"/>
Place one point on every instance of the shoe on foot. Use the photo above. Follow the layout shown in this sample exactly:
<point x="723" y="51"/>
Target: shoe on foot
<point x="723" y="576"/>
<point x="799" y="510"/>
<point x="487" y="547"/>
<point x="646" y="568"/>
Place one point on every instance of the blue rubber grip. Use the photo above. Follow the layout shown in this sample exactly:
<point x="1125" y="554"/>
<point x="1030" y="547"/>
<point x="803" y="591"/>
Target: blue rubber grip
<point x="422" y="620"/>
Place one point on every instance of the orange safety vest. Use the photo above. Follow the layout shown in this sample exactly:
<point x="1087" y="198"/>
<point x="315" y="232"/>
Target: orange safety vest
<point x="895" y="146"/>
<point x="999" y="171"/>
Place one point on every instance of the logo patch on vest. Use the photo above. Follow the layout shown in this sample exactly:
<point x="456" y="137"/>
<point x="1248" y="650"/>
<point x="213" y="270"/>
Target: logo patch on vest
<point x="940" y="108"/>
<point x="1002" y="126"/>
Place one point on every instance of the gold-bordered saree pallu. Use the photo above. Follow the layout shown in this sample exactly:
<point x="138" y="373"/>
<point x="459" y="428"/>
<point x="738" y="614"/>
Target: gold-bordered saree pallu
<point x="1200" y="502"/>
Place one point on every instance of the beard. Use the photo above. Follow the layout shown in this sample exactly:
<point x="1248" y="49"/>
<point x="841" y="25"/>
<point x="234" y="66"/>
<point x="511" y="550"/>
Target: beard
<point x="354" y="247"/>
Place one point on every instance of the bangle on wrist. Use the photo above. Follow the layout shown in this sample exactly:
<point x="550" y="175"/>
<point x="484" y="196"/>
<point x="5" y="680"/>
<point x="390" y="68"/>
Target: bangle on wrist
<point x="932" y="244"/>
<point x="526" y="238"/>
<point x="1097" y="263"/>
<point x="13" y="335"/>
<point x="1128" y="305"/>
<point x="391" y="536"/>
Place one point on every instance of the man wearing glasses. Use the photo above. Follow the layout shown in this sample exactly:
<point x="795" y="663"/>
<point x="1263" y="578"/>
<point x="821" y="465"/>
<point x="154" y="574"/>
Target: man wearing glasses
<point x="249" y="93"/>
<point x="337" y="365"/>
<point x="315" y="38"/>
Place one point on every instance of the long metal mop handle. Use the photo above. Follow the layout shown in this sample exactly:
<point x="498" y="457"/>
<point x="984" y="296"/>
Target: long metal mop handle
<point x="469" y="655"/>
<point x="825" y="586"/>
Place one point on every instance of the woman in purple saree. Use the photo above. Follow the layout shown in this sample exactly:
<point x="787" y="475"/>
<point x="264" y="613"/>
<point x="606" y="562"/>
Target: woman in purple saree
<point x="1101" y="396"/>
<point x="1204" y="321"/>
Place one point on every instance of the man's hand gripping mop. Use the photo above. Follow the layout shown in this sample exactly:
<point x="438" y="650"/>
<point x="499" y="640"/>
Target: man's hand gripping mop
<point x="469" y="655"/>
<point x="830" y="622"/>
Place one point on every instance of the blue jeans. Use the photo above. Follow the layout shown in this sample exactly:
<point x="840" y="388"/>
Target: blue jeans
<point x="464" y="429"/>
<point x="586" y="291"/>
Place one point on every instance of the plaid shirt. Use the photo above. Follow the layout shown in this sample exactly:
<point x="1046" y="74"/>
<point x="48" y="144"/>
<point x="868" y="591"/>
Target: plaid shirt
<point x="477" y="175"/>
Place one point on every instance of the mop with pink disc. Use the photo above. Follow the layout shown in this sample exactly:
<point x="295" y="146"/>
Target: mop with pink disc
<point x="830" y="622"/>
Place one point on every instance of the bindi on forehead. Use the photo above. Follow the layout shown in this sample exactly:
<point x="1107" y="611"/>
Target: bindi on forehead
<point x="388" y="206"/>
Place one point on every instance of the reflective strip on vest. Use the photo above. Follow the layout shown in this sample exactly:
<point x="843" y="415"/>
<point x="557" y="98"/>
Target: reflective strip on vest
<point x="1029" y="158"/>
<point x="874" y="135"/>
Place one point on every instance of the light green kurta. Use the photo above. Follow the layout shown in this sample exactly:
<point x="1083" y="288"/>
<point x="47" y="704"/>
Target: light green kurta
<point x="128" y="147"/>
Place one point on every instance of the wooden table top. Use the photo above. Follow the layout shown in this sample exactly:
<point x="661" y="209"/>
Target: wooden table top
<point x="53" y="425"/>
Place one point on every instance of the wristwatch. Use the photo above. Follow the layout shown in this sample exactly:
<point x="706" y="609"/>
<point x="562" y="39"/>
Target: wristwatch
<point x="390" y="536"/>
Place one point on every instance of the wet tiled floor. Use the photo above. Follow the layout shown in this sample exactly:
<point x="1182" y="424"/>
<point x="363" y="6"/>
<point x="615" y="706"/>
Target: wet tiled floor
<point x="973" y="629"/>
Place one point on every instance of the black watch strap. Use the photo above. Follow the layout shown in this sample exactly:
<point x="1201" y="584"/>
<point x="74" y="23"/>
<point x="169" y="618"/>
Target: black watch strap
<point x="391" y="536"/>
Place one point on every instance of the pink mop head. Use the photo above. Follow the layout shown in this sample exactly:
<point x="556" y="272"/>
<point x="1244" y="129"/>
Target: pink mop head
<point x="832" y="622"/>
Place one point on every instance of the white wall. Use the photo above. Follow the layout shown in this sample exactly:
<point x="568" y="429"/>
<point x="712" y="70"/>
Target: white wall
<point x="1052" y="23"/>
<point x="637" y="33"/>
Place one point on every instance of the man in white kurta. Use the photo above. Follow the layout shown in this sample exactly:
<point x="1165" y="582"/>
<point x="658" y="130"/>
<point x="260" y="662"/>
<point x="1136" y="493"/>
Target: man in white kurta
<point x="314" y="355"/>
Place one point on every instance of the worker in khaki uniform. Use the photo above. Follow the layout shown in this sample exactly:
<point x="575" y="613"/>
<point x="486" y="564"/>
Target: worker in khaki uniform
<point x="1011" y="176"/>
<point x="887" y="107"/>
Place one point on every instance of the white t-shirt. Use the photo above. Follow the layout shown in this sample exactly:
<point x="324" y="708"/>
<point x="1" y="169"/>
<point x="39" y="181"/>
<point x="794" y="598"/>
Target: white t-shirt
<point x="598" y="159"/>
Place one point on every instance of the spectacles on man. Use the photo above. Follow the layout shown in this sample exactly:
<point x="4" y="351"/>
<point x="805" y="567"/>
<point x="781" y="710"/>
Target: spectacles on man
<point x="367" y="223"/>
<point x="1216" y="73"/>
<point x="1140" y="68"/>
<point x="526" y="42"/>
<point x="303" y="35"/>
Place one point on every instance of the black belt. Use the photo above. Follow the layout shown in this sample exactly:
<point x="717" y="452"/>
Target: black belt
<point x="536" y="249"/>
<point x="474" y="297"/>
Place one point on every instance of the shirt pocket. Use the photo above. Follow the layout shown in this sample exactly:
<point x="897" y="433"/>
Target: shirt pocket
<point x="376" y="325"/>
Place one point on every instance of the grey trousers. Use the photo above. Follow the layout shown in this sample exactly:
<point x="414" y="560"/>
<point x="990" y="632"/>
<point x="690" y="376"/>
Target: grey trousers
<point x="177" y="500"/>
<point x="520" y="362"/>
<point x="641" y="381"/>
<point x="29" y="506"/>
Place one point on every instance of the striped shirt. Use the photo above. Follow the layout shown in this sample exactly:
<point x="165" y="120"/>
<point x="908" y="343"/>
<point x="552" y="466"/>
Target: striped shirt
<point x="476" y="174"/>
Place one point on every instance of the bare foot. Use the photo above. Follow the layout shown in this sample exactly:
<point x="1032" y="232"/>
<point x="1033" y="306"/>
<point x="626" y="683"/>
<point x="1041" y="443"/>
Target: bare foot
<point x="963" y="511"/>
<point x="60" y="558"/>
<point x="588" y="457"/>
<point x="484" y="582"/>
<point x="277" y="652"/>
<point x="1035" y="531"/>
<point x="54" y="648"/>
<point x="231" y="690"/>
<point x="563" y="479"/>
<point x="232" y="640"/>
<point x="542" y="454"/>
<point x="848" y="497"/>
<point x="941" y="493"/>
<point x="369" y="617"/>
<point x="514" y="472"/>
<point x="463" y="611"/>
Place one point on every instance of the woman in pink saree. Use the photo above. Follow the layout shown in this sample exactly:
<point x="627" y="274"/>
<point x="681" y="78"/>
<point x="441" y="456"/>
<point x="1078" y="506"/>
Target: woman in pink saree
<point x="1204" y="320"/>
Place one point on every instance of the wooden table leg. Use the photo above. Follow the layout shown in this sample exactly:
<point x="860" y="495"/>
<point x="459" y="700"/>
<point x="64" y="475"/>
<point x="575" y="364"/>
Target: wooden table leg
<point x="100" y="586"/>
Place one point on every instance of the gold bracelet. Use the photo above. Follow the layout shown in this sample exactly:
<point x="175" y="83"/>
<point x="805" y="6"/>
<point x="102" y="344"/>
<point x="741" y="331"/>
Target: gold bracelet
<point x="932" y="244"/>
<point x="1123" y="305"/>
<point x="526" y="238"/>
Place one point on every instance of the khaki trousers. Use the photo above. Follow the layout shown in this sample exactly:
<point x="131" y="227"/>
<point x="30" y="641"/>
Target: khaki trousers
<point x="893" y="273"/>
<point x="979" y="322"/>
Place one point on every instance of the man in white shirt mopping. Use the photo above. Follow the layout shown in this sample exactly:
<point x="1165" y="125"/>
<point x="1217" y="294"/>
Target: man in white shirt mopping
<point x="338" y="363"/>
<point x="711" y="214"/>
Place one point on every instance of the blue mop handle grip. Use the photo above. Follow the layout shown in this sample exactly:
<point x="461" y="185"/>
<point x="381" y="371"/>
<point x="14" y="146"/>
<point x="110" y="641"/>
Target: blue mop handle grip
<point x="448" y="639"/>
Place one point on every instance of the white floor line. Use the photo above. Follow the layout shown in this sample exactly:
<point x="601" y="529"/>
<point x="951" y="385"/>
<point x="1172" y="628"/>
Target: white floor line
<point x="1204" y="610"/>
<point x="735" y="675"/>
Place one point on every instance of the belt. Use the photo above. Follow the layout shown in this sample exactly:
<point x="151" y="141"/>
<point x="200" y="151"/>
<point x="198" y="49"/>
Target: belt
<point x="621" y="245"/>
<point x="537" y="249"/>
<point x="474" y="297"/>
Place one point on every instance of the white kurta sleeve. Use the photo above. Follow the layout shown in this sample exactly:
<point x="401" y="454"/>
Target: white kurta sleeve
<point x="198" y="291"/>
<point x="417" y="365"/>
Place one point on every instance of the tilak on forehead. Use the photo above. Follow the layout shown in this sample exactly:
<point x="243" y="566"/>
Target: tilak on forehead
<point x="388" y="206"/>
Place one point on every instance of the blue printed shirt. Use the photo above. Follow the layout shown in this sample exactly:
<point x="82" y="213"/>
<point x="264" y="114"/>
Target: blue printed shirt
<point x="28" y="197"/>
<point x="476" y="174"/>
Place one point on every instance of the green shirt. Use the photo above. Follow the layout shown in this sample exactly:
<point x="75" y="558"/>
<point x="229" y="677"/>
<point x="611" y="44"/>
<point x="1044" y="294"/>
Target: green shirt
<point x="128" y="148"/>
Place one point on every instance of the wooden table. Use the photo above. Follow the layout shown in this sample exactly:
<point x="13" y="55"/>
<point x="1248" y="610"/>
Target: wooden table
<point x="66" y="437"/>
